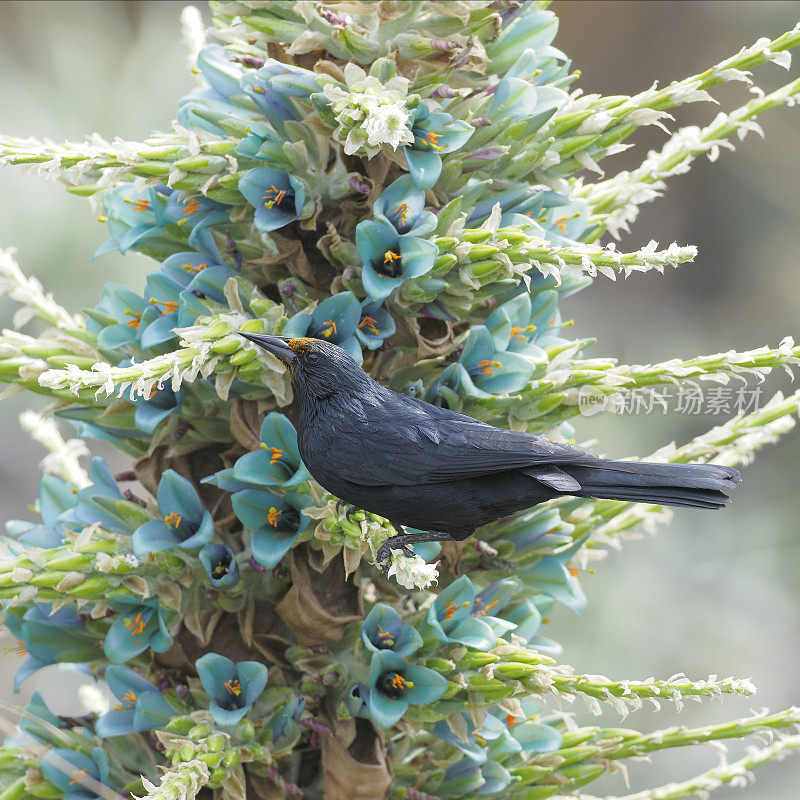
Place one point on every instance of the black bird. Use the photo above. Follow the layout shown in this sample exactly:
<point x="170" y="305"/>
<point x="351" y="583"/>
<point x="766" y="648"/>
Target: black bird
<point x="446" y="473"/>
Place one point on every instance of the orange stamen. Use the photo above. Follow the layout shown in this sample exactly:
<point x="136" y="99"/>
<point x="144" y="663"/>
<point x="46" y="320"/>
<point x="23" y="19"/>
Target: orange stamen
<point x="173" y="519"/>
<point x="140" y="204"/>
<point x="192" y="205"/>
<point x="273" y="196"/>
<point x="135" y="321"/>
<point x="484" y="611"/>
<point x="272" y="516"/>
<point x="76" y="776"/>
<point x="402" y="209"/>
<point x="192" y="270"/>
<point x="399" y="682"/>
<point x="489" y="367"/>
<point x="136" y="624"/>
<point x="328" y="331"/>
<point x="233" y="686"/>
<point x="511" y="720"/>
<point x="277" y="455"/>
<point x="370" y="325"/>
<point x="390" y="256"/>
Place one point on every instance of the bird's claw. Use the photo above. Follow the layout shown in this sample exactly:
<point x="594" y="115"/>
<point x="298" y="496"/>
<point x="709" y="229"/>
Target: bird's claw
<point x="347" y="507"/>
<point x="385" y="552"/>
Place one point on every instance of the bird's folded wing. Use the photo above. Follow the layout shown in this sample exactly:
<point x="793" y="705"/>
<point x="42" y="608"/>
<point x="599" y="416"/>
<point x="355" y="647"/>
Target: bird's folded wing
<point x="439" y="449"/>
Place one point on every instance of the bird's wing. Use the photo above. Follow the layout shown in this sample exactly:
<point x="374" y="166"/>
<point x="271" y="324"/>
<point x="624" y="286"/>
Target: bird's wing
<point x="411" y="442"/>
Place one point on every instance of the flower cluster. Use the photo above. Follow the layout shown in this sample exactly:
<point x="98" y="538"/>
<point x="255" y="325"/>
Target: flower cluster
<point x="402" y="180"/>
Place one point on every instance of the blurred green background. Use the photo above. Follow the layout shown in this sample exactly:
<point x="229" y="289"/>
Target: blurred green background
<point x="711" y="594"/>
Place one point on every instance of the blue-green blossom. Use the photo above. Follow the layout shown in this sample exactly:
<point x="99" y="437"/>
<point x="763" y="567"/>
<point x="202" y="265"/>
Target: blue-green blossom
<point x="139" y="625"/>
<point x="184" y="522"/>
<point x="395" y="685"/>
<point x="55" y="768"/>
<point x="435" y="133"/>
<point x="452" y="620"/>
<point x="55" y="497"/>
<point x="335" y="319"/>
<point x="220" y="565"/>
<point x="383" y="629"/>
<point x="141" y="706"/>
<point x="275" y="521"/>
<point x="277" y="197"/>
<point x="232" y="688"/>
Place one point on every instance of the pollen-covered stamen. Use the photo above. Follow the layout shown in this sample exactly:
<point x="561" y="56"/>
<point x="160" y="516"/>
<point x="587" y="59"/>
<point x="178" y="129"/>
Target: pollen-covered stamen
<point x="451" y="608"/>
<point x="221" y="569"/>
<point x="135" y="624"/>
<point x="273" y="196"/>
<point x="276" y="454"/>
<point x="273" y="515"/>
<point x="402" y="210"/>
<point x="519" y="332"/>
<point x="76" y="776"/>
<point x="192" y="269"/>
<point x="173" y="519"/>
<point x="140" y="204"/>
<point x="370" y="324"/>
<point x="390" y="265"/>
<point x="18" y="650"/>
<point x="170" y="306"/>
<point x="233" y="687"/>
<point x="135" y="319"/>
<point x="511" y="720"/>
<point x="489" y="367"/>
<point x="431" y="139"/>
<point x="192" y="205"/>
<point x="482" y="612"/>
<point x="393" y="684"/>
<point x="385" y="639"/>
<point x="328" y="329"/>
<point x="574" y="571"/>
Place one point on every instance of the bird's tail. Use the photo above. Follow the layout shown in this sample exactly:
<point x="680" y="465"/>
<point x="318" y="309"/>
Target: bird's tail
<point x="689" y="485"/>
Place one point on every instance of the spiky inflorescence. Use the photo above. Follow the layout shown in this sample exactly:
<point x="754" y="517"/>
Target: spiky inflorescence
<point x="401" y="178"/>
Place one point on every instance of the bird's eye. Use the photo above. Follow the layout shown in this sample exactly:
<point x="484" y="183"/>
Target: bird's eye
<point x="311" y="357"/>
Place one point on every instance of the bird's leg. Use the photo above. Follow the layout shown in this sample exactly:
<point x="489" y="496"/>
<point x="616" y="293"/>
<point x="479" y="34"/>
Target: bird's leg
<point x="348" y="509"/>
<point x="403" y="541"/>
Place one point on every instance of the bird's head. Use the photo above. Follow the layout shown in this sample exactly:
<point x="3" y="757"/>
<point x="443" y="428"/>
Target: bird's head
<point x="318" y="369"/>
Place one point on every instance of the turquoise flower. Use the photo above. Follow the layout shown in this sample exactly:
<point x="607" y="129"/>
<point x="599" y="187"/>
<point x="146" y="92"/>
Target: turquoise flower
<point x="550" y="575"/>
<point x="452" y="620"/>
<point x="272" y="88"/>
<point x="132" y="217"/>
<point x="278" y="462"/>
<point x="141" y="706"/>
<point x="263" y="143"/>
<point x="277" y="197"/>
<point x="276" y="522"/>
<point x="49" y="637"/>
<point x="232" y="688"/>
<point x="285" y="726"/>
<point x="434" y="133"/>
<point x="396" y="685"/>
<point x="375" y="326"/>
<point x="526" y="324"/>
<point x="185" y="523"/>
<point x="383" y="629"/>
<point x="196" y="211"/>
<point x="66" y="769"/>
<point x="202" y="271"/>
<point x="220" y="565"/>
<point x="391" y="258"/>
<point x="335" y="319"/>
<point x="402" y="205"/>
<point x="98" y="502"/>
<point x="56" y="496"/>
<point x="528" y="616"/>
<point x="117" y="317"/>
<point x="493" y="369"/>
<point x="140" y="625"/>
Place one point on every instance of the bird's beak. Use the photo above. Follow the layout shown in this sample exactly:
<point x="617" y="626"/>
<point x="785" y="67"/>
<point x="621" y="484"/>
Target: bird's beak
<point x="277" y="345"/>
